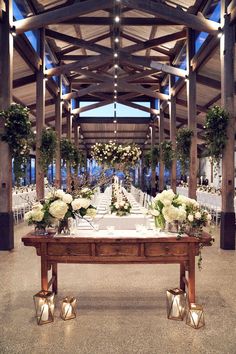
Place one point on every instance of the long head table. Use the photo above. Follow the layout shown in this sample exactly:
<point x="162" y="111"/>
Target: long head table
<point x="124" y="246"/>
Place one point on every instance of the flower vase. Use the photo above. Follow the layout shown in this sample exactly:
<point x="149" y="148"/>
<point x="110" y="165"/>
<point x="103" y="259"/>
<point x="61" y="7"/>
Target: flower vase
<point x="40" y="230"/>
<point x="63" y="227"/>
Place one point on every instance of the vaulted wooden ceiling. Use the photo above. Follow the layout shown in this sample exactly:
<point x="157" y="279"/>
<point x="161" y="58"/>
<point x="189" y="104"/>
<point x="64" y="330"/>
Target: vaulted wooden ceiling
<point x="81" y="38"/>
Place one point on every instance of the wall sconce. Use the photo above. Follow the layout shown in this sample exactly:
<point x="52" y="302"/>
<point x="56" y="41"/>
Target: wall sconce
<point x="44" y="306"/>
<point x="195" y="316"/>
<point x="176" y="304"/>
<point x="68" y="308"/>
<point x="13" y="31"/>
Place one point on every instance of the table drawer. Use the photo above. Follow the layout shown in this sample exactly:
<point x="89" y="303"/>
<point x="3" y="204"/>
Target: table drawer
<point x="72" y="249"/>
<point x="117" y="250"/>
<point x="165" y="249"/>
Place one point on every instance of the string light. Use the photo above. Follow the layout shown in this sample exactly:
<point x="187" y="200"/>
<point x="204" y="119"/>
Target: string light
<point x="117" y="19"/>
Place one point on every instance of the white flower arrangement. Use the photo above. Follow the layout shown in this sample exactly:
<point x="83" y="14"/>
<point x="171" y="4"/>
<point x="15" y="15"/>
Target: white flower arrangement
<point x="57" y="207"/>
<point x="168" y="207"/>
<point x="112" y="153"/>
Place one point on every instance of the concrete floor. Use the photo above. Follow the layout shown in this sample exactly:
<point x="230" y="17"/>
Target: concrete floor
<point x="121" y="308"/>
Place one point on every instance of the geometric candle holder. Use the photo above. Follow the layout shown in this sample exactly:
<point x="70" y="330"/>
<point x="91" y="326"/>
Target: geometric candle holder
<point x="195" y="316"/>
<point x="68" y="308"/>
<point x="176" y="304"/>
<point x="44" y="306"/>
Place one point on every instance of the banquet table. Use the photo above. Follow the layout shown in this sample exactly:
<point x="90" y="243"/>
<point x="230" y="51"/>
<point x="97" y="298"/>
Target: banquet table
<point x="118" y="246"/>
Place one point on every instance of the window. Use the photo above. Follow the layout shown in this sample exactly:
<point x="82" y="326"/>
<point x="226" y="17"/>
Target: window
<point x="121" y="110"/>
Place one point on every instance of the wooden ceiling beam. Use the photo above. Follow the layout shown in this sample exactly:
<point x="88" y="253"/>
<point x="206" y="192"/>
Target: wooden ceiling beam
<point x="138" y="106"/>
<point x="136" y="40"/>
<point x="168" y="12"/>
<point x="91" y="106"/>
<point x="78" y="42"/>
<point x="62" y="69"/>
<point x="125" y="21"/>
<point x="109" y="120"/>
<point x="147" y="62"/>
<point x="72" y="57"/>
<point x="155" y="42"/>
<point x="26" y="80"/>
<point x="61" y="14"/>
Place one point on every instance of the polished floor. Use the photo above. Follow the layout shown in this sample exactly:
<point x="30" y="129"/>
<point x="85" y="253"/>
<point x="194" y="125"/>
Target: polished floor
<point x="121" y="308"/>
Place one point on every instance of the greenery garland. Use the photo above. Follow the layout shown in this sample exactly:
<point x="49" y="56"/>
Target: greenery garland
<point x="70" y="153"/>
<point x="47" y="148"/>
<point x="67" y="151"/>
<point x="183" y="145"/>
<point x="18" y="136"/>
<point x="167" y="153"/>
<point x="152" y="157"/>
<point x="216" y="132"/>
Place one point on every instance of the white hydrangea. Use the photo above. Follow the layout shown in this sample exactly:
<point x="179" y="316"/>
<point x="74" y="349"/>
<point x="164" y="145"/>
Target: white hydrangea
<point x="67" y="198"/>
<point x="58" y="209"/>
<point x="59" y="193"/>
<point x="80" y="203"/>
<point x="155" y="212"/>
<point x="91" y="212"/>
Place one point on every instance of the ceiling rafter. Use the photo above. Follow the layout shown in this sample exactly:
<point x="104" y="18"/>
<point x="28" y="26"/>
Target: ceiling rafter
<point x="167" y="12"/>
<point x="61" y="14"/>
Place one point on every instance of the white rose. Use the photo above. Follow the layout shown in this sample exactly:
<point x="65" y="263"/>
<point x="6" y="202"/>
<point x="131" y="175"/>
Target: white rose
<point x="209" y="217"/>
<point x="27" y="216"/>
<point x="58" y="209"/>
<point x="190" y="217"/>
<point x="59" y="193"/>
<point x="49" y="196"/>
<point x="155" y="212"/>
<point x="116" y="205"/>
<point x="91" y="212"/>
<point x="80" y="203"/>
<point x="37" y="215"/>
<point x="67" y="198"/>
<point x="37" y="206"/>
<point x="198" y="215"/>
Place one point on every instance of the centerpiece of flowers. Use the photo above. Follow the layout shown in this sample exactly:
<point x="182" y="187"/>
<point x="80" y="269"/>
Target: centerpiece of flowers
<point x="170" y="208"/>
<point x="119" y="203"/>
<point x="57" y="208"/>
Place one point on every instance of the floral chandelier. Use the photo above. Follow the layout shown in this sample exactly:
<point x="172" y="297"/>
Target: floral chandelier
<point x="113" y="154"/>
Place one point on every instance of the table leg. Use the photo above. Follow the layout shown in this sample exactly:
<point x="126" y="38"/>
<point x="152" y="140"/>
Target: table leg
<point x="182" y="275"/>
<point x="44" y="268"/>
<point x="191" y="275"/>
<point x="54" y="275"/>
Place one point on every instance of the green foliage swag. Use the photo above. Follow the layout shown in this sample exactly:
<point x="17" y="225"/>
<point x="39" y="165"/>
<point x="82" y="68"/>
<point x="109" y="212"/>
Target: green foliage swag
<point x="216" y="132"/>
<point x="18" y="136"/>
<point x="47" y="148"/>
<point x="183" y="145"/>
<point x="69" y="153"/>
<point x="152" y="157"/>
<point x="167" y="153"/>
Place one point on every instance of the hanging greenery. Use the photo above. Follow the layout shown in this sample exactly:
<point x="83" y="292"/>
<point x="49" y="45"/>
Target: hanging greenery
<point x="183" y="145"/>
<point x="151" y="158"/>
<point x="167" y="153"/>
<point x="67" y="151"/>
<point x="18" y="135"/>
<point x="216" y="132"/>
<point x="47" y="148"/>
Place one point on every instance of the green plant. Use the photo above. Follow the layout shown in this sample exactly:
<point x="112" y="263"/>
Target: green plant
<point x="18" y="136"/>
<point x="69" y="153"/>
<point x="167" y="153"/>
<point x="47" y="148"/>
<point x="216" y="132"/>
<point x="151" y="158"/>
<point x="183" y="145"/>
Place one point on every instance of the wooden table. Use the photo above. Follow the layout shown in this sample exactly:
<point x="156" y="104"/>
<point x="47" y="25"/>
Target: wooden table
<point x="110" y="250"/>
